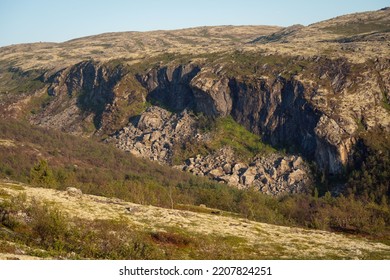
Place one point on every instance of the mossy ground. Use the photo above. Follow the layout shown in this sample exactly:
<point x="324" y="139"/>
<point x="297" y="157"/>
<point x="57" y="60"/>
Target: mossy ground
<point x="115" y="229"/>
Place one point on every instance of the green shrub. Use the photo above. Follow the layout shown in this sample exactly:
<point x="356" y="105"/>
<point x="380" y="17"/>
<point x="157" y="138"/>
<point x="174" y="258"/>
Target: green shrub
<point x="42" y="175"/>
<point x="48" y="224"/>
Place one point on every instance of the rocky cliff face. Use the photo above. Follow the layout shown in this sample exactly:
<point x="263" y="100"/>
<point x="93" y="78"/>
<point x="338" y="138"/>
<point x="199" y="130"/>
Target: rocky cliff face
<point x="169" y="86"/>
<point x="315" y="112"/>
<point x="274" y="108"/>
<point x="88" y="97"/>
<point x="277" y="110"/>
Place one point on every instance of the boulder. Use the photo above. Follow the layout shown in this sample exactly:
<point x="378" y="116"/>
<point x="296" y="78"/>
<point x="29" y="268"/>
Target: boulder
<point x="239" y="168"/>
<point x="296" y="176"/>
<point x="216" y="173"/>
<point x="283" y="167"/>
<point x="71" y="191"/>
<point x="248" y="176"/>
<point x="227" y="168"/>
<point x="298" y="162"/>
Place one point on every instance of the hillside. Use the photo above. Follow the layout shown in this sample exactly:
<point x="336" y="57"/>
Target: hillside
<point x="280" y="125"/>
<point x="134" y="46"/>
<point x="160" y="233"/>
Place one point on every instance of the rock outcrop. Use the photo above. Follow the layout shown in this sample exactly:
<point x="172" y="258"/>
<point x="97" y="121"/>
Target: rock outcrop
<point x="212" y="94"/>
<point x="89" y="97"/>
<point x="272" y="174"/>
<point x="169" y="86"/>
<point x="155" y="132"/>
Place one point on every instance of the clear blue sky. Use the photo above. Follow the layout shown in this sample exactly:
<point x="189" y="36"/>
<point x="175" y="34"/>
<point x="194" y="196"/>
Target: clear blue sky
<point x="24" y="21"/>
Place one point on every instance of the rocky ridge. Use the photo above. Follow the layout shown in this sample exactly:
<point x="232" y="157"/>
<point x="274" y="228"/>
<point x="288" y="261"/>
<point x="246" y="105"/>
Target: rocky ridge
<point x="317" y="112"/>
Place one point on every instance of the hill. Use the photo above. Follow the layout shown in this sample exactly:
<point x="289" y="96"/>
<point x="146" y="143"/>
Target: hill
<point x="288" y="126"/>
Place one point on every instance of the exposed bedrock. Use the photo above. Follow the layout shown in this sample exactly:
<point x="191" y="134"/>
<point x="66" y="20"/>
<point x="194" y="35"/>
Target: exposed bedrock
<point x="316" y="115"/>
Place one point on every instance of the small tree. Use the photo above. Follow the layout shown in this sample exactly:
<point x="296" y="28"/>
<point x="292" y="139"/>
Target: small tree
<point x="42" y="175"/>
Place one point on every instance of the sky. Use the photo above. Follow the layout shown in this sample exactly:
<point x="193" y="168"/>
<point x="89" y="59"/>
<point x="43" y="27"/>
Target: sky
<point x="27" y="21"/>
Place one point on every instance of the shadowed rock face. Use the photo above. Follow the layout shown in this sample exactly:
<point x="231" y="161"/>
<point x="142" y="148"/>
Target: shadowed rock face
<point x="278" y="111"/>
<point x="212" y="96"/>
<point x="97" y="80"/>
<point x="82" y="92"/>
<point x="170" y="86"/>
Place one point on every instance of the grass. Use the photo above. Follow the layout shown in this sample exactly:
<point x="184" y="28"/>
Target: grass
<point x="245" y="144"/>
<point x="354" y="28"/>
<point x="16" y="81"/>
<point x="55" y="229"/>
<point x="223" y="132"/>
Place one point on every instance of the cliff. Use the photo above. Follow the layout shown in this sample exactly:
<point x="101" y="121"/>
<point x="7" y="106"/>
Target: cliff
<point x="313" y="107"/>
<point x="320" y="92"/>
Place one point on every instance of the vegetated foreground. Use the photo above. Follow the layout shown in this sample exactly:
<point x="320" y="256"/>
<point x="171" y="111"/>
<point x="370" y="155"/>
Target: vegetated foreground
<point x="68" y="224"/>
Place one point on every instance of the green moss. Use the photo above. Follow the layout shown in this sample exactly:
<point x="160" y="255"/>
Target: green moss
<point x="229" y="133"/>
<point x="223" y="132"/>
<point x="17" y="82"/>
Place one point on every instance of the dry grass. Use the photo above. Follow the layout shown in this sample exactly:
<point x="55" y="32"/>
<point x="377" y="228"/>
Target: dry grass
<point x="268" y="241"/>
<point x="317" y="39"/>
<point x="134" y="46"/>
<point x="7" y="143"/>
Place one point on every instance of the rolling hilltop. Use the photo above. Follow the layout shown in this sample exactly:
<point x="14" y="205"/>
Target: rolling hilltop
<point x="280" y="125"/>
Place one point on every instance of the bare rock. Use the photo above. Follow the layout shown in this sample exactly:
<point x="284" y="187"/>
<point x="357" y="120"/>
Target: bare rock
<point x="248" y="176"/>
<point x="227" y="168"/>
<point x="74" y="191"/>
<point x="152" y="118"/>
<point x="239" y="167"/>
<point x="284" y="166"/>
<point x="296" y="176"/>
<point x="216" y="173"/>
<point x="156" y="133"/>
<point x="298" y="163"/>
